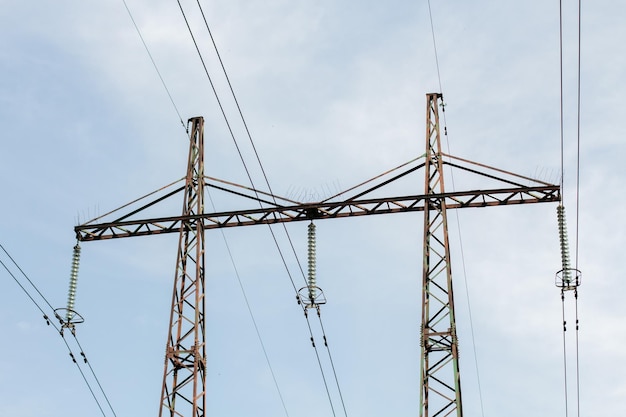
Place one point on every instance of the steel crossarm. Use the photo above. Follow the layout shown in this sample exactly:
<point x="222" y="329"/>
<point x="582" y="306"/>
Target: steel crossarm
<point x="321" y="210"/>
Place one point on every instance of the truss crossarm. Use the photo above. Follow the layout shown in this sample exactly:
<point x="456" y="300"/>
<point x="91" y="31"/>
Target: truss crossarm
<point x="502" y="171"/>
<point x="275" y="198"/>
<point x="322" y="210"/>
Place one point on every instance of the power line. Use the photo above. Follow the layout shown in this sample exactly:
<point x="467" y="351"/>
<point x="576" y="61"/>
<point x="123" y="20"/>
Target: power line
<point x="59" y="331"/>
<point x="578" y="203"/>
<point x="432" y="29"/>
<point x="458" y="221"/>
<point x="167" y="90"/>
<point x="29" y="281"/>
<point x="577" y="199"/>
<point x="319" y="362"/>
<point x="84" y="355"/>
<point x="236" y="145"/>
<point x="332" y="363"/>
<point x="249" y="307"/>
<point x="565" y="390"/>
<point x="561" y="99"/>
<point x="249" y="135"/>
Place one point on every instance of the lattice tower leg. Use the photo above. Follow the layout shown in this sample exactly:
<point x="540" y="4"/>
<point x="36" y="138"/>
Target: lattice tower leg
<point x="183" y="391"/>
<point x="440" y="383"/>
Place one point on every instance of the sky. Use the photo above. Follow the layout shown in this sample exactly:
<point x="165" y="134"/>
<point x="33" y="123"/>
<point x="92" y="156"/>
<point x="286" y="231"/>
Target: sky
<point x="333" y="93"/>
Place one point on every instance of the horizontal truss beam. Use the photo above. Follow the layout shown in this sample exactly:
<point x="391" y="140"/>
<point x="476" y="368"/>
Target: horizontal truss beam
<point x="321" y="210"/>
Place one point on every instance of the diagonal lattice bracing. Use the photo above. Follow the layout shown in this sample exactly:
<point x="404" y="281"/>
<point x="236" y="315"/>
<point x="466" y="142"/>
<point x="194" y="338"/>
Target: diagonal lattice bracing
<point x="440" y="392"/>
<point x="183" y="391"/>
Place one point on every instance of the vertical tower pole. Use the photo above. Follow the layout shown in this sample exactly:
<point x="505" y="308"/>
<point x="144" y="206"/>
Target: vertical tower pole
<point x="440" y="384"/>
<point x="183" y="391"/>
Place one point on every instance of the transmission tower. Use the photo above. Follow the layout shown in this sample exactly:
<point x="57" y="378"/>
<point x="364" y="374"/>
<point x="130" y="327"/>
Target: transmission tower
<point x="440" y="380"/>
<point x="183" y="392"/>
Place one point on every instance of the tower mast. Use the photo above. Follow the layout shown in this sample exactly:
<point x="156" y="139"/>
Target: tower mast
<point x="183" y="391"/>
<point x="439" y="372"/>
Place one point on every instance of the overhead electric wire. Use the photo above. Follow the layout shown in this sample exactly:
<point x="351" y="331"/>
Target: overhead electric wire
<point x="319" y="361"/>
<point x="213" y="88"/>
<point x="245" y="124"/>
<point x="561" y="118"/>
<point x="82" y="374"/>
<point x="577" y="197"/>
<point x="578" y="133"/>
<point x="578" y="202"/>
<point x="249" y="307"/>
<point x="565" y="390"/>
<point x="59" y="331"/>
<point x="223" y="235"/>
<point x="167" y="90"/>
<point x="432" y="30"/>
<point x="235" y="142"/>
<point x="462" y="252"/>
<point x="332" y="363"/>
<point x="84" y="355"/>
<point x="22" y="287"/>
<point x="243" y="161"/>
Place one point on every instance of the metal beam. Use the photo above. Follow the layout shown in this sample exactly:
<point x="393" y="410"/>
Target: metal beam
<point x="321" y="210"/>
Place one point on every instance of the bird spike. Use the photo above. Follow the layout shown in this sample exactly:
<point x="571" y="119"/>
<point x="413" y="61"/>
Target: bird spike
<point x="71" y="295"/>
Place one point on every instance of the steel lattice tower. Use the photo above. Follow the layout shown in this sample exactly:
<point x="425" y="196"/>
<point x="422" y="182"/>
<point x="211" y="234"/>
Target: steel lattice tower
<point x="440" y="382"/>
<point x="183" y="392"/>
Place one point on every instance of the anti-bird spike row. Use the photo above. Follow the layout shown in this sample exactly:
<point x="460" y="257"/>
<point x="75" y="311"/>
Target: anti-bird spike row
<point x="71" y="295"/>
<point x="566" y="271"/>
<point x="311" y="257"/>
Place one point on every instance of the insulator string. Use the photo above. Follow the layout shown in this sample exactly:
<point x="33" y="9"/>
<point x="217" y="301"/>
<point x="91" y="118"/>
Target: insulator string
<point x="565" y="261"/>
<point x="311" y="282"/>
<point x="71" y="294"/>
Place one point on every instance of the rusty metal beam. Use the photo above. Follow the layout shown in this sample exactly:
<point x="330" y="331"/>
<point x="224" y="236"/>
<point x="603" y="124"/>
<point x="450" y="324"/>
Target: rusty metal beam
<point x="322" y="210"/>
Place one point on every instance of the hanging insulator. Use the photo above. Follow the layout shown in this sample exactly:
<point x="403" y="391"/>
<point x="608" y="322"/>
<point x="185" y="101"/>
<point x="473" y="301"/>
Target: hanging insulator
<point x="566" y="271"/>
<point x="311" y="253"/>
<point x="71" y="295"/>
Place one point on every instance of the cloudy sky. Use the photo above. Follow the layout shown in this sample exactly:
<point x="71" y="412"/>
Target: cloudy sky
<point x="333" y="93"/>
